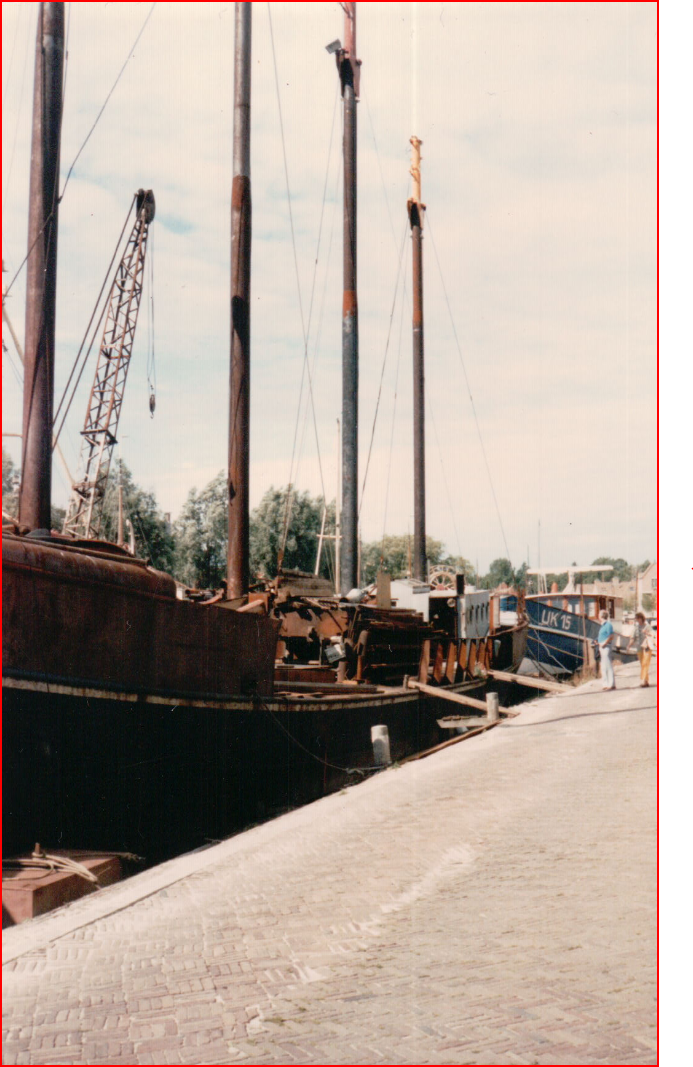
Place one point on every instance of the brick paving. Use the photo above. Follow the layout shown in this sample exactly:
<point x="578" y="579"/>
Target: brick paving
<point x="494" y="903"/>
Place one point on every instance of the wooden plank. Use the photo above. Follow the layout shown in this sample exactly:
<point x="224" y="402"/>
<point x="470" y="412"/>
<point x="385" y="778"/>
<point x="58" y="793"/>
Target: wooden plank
<point x="452" y="741"/>
<point x="349" y="688"/>
<point x="451" y="668"/>
<point x="533" y="683"/>
<point x="425" y="660"/>
<point x="445" y="694"/>
<point x="438" y="663"/>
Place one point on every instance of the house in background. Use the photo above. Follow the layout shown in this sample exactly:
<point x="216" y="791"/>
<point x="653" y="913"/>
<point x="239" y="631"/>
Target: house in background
<point x="647" y="587"/>
<point x="631" y="591"/>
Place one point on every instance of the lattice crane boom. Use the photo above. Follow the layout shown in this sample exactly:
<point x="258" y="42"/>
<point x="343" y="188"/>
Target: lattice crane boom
<point x="106" y="398"/>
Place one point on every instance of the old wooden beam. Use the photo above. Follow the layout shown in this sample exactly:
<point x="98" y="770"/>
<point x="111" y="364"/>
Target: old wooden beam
<point x="445" y="694"/>
<point x="532" y="683"/>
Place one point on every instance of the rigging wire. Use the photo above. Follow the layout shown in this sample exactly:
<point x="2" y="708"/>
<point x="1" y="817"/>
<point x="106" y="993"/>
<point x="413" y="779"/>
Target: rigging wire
<point x="6" y="352"/>
<point x="380" y="168"/>
<point x="399" y="351"/>
<point x="110" y="94"/>
<point x="382" y="371"/>
<point x="151" y="351"/>
<point x="394" y="409"/>
<point x="319" y="759"/>
<point x="300" y="300"/>
<point x="318" y="335"/>
<point x="431" y="411"/>
<point x="27" y="49"/>
<point x="86" y="332"/>
<point x="469" y="391"/>
<point x="84" y="143"/>
<point x="11" y="62"/>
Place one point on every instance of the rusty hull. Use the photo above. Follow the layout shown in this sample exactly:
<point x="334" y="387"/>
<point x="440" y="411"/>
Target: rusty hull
<point x="76" y="617"/>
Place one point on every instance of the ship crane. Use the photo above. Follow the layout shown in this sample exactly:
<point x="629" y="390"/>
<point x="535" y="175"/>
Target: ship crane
<point x="84" y="512"/>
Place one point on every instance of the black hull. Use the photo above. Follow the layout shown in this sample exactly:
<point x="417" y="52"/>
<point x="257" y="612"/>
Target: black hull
<point x="158" y="780"/>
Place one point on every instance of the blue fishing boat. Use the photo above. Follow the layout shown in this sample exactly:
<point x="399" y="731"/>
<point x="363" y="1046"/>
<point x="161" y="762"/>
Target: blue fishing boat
<point x="563" y="630"/>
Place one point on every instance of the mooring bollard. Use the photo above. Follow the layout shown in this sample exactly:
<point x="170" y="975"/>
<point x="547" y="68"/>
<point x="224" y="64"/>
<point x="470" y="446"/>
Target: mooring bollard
<point x="492" y="707"/>
<point x="380" y="740"/>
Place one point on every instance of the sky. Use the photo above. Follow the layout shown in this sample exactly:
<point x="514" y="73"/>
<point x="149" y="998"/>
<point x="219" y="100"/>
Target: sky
<point x="538" y="124"/>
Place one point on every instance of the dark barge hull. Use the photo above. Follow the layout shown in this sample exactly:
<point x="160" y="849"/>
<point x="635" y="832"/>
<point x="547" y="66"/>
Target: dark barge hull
<point x="136" y="722"/>
<point x="144" y="775"/>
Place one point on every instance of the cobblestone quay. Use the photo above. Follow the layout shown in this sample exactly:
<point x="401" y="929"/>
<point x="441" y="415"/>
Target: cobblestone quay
<point x="490" y="904"/>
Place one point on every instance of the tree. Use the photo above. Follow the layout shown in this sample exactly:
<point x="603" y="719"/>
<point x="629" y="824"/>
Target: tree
<point x="10" y="484"/>
<point x="622" y="571"/>
<point x="461" y="566"/>
<point x="153" y="536"/>
<point x="57" y="517"/>
<point x="520" y="577"/>
<point x="10" y="492"/>
<point x="267" y="523"/>
<point x="501" y="571"/>
<point x="395" y="551"/>
<point x="201" y="535"/>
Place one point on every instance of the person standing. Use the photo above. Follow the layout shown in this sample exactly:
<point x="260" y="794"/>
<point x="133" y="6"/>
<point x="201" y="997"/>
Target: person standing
<point x="644" y="640"/>
<point x="605" y="638"/>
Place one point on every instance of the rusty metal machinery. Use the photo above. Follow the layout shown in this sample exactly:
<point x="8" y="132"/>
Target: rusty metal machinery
<point x="106" y="398"/>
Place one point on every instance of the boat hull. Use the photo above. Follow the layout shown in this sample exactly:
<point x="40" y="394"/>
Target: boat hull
<point x="142" y="774"/>
<point x="87" y="618"/>
<point x="560" y="641"/>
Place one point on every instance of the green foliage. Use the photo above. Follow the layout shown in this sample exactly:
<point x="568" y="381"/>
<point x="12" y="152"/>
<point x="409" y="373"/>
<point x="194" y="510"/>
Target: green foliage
<point x="622" y="571"/>
<point x="648" y="602"/>
<point x="500" y="571"/>
<point x="201" y="534"/>
<point x="395" y="551"/>
<point x="460" y="565"/>
<point x="57" y="517"/>
<point x="267" y="532"/>
<point x="10" y="484"/>
<point x="153" y="538"/>
<point x="520" y="578"/>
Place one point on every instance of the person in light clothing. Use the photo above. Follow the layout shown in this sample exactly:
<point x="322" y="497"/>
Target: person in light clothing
<point x="605" y="638"/>
<point x="644" y="640"/>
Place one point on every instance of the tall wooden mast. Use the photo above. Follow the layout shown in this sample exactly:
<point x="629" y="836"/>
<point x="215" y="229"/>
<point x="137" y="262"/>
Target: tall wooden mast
<point x="39" y="338"/>
<point x="237" y="560"/>
<point x="349" y="73"/>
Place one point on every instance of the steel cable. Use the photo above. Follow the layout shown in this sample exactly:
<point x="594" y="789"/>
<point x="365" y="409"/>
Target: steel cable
<point x="469" y="391"/>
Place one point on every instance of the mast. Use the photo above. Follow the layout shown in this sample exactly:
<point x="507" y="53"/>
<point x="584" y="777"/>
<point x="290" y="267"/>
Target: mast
<point x="416" y="211"/>
<point x="237" y="558"/>
<point x="349" y="75"/>
<point x="39" y="338"/>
